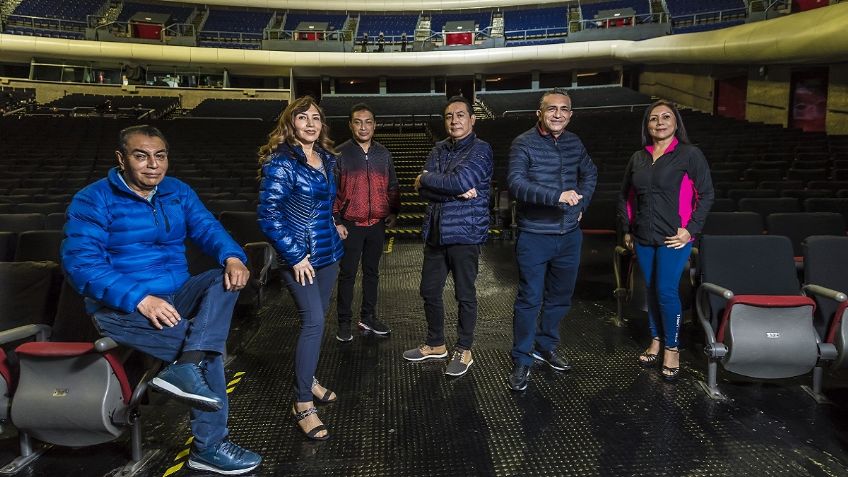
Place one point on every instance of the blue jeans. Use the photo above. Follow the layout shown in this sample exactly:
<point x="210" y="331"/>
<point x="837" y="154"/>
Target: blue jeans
<point x="547" y="273"/>
<point x="661" y="266"/>
<point x="207" y="309"/>
<point x="312" y="301"/>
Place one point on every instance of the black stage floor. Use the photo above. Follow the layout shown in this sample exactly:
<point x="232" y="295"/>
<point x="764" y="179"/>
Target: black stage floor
<point x="607" y="416"/>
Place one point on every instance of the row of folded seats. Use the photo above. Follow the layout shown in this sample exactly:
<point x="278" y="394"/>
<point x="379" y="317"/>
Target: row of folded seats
<point x="49" y="345"/>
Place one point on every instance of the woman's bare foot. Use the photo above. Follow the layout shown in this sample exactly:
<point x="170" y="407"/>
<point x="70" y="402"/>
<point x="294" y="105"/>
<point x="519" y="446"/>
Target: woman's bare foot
<point x="321" y="393"/>
<point x="649" y="356"/>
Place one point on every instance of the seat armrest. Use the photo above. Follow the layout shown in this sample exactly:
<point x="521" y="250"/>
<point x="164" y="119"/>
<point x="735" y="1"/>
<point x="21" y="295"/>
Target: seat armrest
<point x="105" y="344"/>
<point x="702" y="308"/>
<point x="827" y="352"/>
<point x="40" y="332"/>
<point x="717" y="290"/>
<point x="821" y="291"/>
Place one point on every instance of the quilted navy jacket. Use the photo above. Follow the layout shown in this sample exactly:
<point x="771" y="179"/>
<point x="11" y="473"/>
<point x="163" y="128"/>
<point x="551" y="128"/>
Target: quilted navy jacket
<point x="119" y="247"/>
<point x="453" y="169"/>
<point x="541" y="168"/>
<point x="296" y="207"/>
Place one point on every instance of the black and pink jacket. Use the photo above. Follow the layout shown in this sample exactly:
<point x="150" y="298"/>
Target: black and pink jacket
<point x="659" y="197"/>
<point x="368" y="186"/>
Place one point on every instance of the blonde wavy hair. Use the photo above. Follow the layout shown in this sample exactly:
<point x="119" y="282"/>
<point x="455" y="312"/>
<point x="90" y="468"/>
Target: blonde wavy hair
<point x="285" y="131"/>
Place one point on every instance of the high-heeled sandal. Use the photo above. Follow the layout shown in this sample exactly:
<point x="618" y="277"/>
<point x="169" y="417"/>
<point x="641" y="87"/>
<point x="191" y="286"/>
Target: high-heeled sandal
<point x="327" y="398"/>
<point x="648" y="360"/>
<point x="668" y="373"/>
<point x="311" y="433"/>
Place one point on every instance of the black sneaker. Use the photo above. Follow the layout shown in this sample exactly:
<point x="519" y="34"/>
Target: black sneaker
<point x="554" y="361"/>
<point x="374" y="325"/>
<point x="519" y="377"/>
<point x="344" y="335"/>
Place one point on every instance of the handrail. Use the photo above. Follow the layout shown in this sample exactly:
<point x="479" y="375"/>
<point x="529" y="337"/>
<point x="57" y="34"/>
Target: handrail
<point x="547" y="32"/>
<point x="625" y="20"/>
<point x="721" y="14"/>
<point x="32" y="19"/>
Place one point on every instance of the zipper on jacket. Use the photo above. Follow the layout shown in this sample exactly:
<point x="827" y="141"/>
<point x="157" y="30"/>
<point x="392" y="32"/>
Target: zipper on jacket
<point x="368" y="180"/>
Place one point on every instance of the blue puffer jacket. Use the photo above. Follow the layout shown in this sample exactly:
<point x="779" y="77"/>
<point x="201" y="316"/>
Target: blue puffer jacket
<point x="453" y="169"/>
<point x="296" y="207"/>
<point x="119" y="247"/>
<point x="541" y="168"/>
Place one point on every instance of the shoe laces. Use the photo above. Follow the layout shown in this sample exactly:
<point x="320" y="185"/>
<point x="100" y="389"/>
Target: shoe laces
<point x="458" y="354"/>
<point x="231" y="450"/>
<point x="202" y="372"/>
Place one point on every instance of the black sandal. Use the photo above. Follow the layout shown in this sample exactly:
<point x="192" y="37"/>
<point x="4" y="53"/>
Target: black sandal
<point x="312" y="433"/>
<point x="668" y="373"/>
<point x="325" y="399"/>
<point x="648" y="360"/>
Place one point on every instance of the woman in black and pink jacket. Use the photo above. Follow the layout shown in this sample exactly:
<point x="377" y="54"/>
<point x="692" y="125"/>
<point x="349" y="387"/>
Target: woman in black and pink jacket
<point x="665" y="197"/>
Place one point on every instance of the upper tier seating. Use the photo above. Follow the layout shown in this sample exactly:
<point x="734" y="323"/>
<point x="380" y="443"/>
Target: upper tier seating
<point x="334" y="22"/>
<point x="541" y="22"/>
<point x="77" y="10"/>
<point x="689" y="16"/>
<point x="235" y="24"/>
<point x="178" y="14"/>
<point x="389" y="25"/>
<point x="481" y="20"/>
<point x="591" y="10"/>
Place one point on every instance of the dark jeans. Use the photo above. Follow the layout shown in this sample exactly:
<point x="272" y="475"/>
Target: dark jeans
<point x="462" y="262"/>
<point x="547" y="272"/>
<point x="206" y="308"/>
<point x="365" y="242"/>
<point x="312" y="301"/>
<point x="662" y="266"/>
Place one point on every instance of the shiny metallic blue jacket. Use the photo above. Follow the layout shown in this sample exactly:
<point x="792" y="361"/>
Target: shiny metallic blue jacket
<point x="296" y="207"/>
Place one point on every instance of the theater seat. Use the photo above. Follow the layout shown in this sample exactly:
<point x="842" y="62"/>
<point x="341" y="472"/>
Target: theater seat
<point x="755" y="320"/>
<point x="76" y="395"/>
<point x="826" y="281"/>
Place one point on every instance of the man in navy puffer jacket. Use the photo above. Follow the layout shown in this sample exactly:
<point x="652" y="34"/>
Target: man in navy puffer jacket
<point x="124" y="251"/>
<point x="553" y="178"/>
<point x="456" y="181"/>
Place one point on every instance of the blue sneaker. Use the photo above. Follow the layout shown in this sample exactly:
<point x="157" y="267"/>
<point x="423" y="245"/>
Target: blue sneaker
<point x="225" y="458"/>
<point x="187" y="382"/>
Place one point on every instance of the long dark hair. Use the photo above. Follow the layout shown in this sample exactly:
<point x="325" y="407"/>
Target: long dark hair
<point x="284" y="131"/>
<point x="680" y="133"/>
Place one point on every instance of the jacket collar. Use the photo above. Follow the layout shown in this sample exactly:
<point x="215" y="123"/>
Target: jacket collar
<point x="452" y="145"/>
<point x="296" y="150"/>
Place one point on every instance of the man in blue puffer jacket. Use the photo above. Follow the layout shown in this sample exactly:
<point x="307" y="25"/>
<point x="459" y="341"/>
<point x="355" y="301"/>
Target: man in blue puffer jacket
<point x="553" y="178"/>
<point x="124" y="251"/>
<point x="456" y="181"/>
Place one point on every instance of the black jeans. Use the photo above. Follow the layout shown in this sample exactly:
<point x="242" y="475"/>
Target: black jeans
<point x="462" y="262"/>
<point x="366" y="242"/>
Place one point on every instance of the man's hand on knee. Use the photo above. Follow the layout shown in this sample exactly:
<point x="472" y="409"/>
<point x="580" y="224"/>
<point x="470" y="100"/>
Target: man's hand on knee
<point x="159" y="312"/>
<point x="235" y="274"/>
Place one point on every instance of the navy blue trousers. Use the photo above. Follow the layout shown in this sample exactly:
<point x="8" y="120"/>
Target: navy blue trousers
<point x="661" y="267"/>
<point x="312" y="301"/>
<point x="207" y="309"/>
<point x="547" y="273"/>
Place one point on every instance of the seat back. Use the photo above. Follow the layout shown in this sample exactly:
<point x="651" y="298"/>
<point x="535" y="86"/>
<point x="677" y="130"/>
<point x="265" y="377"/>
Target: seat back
<point x="733" y="223"/>
<point x="243" y="226"/>
<point x="766" y="206"/>
<point x="826" y="264"/>
<point x="68" y="394"/>
<point x="768" y="326"/>
<point x="28" y="294"/>
<point x="55" y="221"/>
<point x="800" y="225"/>
<point x="6" y="386"/>
<point x="8" y="244"/>
<point x="21" y="222"/>
<point x="39" y="245"/>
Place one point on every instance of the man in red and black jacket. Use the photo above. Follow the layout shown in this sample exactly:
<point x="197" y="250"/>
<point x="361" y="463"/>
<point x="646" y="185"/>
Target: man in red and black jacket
<point x="367" y="202"/>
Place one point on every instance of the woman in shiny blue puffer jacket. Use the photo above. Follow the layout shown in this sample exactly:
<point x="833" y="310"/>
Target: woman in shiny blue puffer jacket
<point x="296" y="214"/>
